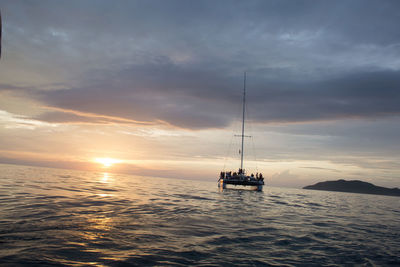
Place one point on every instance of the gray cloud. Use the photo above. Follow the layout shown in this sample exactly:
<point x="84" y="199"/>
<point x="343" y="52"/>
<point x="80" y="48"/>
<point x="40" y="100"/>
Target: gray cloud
<point x="196" y="99"/>
<point x="306" y="36"/>
<point x="181" y="62"/>
<point x="363" y="94"/>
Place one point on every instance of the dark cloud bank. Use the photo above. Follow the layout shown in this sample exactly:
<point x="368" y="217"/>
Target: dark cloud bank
<point x="181" y="62"/>
<point x="200" y="101"/>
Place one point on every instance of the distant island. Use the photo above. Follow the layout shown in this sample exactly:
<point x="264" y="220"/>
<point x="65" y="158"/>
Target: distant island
<point x="354" y="187"/>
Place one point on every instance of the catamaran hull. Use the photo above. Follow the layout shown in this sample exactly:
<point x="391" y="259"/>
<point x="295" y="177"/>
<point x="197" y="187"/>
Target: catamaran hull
<point x="224" y="183"/>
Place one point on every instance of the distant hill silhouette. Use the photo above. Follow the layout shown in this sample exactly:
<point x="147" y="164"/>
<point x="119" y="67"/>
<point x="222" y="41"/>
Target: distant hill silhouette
<point x="354" y="187"/>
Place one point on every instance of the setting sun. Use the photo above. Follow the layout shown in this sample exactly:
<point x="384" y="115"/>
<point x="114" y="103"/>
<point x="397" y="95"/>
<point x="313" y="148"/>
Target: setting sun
<point x="107" y="162"/>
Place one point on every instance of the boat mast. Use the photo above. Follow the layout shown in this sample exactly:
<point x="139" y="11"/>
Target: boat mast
<point x="244" y="104"/>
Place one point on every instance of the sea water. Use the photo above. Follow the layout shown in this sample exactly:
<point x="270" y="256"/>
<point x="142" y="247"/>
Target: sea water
<point x="58" y="217"/>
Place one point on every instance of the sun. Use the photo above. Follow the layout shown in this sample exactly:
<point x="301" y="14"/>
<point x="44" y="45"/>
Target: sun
<point x="107" y="162"/>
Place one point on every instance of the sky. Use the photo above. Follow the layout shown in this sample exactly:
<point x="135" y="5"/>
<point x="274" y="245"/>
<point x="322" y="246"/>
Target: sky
<point x="157" y="86"/>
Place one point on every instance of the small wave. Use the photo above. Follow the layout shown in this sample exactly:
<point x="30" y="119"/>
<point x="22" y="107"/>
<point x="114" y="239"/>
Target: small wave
<point x="275" y="196"/>
<point x="261" y="229"/>
<point x="313" y="204"/>
<point x="321" y="235"/>
<point x="105" y="189"/>
<point x="282" y="242"/>
<point x="185" y="196"/>
<point x="281" y="202"/>
<point x="322" y="224"/>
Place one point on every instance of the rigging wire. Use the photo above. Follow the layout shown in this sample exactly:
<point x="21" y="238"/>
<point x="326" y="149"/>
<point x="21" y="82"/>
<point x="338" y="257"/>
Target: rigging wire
<point x="228" y="152"/>
<point x="231" y="148"/>
<point x="250" y="127"/>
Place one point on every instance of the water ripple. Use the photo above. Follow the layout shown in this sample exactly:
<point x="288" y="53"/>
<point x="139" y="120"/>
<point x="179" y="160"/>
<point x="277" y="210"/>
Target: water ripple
<point x="57" y="217"/>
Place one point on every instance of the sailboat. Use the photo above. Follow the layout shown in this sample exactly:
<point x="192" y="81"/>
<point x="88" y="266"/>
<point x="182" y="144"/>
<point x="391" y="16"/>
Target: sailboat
<point x="240" y="177"/>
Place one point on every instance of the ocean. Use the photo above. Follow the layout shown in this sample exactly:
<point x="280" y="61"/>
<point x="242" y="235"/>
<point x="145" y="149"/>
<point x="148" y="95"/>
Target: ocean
<point x="53" y="217"/>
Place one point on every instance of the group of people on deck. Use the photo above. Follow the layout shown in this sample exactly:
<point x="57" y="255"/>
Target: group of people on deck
<point x="230" y="175"/>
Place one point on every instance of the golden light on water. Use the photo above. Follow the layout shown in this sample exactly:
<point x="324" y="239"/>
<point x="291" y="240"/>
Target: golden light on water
<point x="107" y="162"/>
<point x="105" y="178"/>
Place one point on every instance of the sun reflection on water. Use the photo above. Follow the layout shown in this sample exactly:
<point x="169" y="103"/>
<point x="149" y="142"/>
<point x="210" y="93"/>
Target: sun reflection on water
<point x="106" y="178"/>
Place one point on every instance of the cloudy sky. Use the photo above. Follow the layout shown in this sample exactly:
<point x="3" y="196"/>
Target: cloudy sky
<point x="157" y="86"/>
